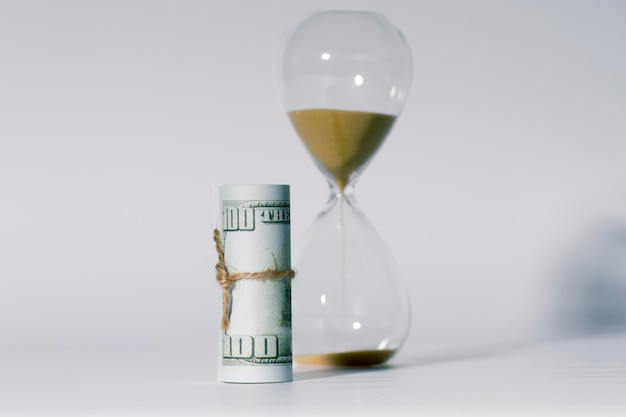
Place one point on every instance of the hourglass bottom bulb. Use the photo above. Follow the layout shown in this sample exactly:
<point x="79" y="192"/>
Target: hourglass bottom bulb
<point x="349" y="309"/>
<point x="359" y="358"/>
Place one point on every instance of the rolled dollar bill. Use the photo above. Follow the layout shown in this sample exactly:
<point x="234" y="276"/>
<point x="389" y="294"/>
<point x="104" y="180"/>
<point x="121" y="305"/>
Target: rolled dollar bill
<point x="254" y="270"/>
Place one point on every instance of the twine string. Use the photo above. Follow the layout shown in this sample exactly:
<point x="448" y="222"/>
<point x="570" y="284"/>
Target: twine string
<point x="227" y="279"/>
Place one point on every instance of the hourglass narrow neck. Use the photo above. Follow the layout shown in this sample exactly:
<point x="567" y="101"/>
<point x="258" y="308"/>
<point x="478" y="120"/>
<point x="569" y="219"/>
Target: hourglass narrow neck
<point x="345" y="193"/>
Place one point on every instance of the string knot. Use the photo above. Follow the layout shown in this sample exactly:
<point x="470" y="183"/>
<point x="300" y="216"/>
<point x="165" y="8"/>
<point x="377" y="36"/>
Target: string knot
<point x="227" y="279"/>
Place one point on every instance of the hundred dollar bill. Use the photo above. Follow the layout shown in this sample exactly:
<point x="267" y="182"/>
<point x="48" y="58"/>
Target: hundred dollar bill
<point x="255" y="272"/>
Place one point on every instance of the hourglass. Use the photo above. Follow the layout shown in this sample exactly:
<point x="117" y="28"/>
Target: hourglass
<point x="344" y="79"/>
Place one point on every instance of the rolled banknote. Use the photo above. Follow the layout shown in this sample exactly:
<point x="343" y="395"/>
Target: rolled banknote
<point x="254" y="270"/>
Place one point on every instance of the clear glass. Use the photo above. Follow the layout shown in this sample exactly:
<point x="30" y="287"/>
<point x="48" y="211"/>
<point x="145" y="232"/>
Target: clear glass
<point x="344" y="77"/>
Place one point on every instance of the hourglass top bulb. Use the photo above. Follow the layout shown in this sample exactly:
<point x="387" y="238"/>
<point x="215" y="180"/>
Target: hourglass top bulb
<point x="344" y="78"/>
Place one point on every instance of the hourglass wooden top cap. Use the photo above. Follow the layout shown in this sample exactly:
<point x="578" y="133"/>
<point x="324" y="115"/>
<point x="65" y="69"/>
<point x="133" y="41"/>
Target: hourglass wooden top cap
<point x="345" y="60"/>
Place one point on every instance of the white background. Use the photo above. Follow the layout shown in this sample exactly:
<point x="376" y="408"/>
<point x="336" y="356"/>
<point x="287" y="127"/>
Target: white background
<point x="120" y="119"/>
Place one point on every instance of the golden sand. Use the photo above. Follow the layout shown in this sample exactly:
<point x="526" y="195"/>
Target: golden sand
<point x="357" y="358"/>
<point x="341" y="141"/>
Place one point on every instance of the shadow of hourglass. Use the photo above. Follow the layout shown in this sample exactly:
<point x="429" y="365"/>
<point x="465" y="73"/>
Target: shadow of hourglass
<point x="590" y="293"/>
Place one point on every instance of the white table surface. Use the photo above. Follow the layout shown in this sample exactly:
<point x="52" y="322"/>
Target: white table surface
<point x="565" y="377"/>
